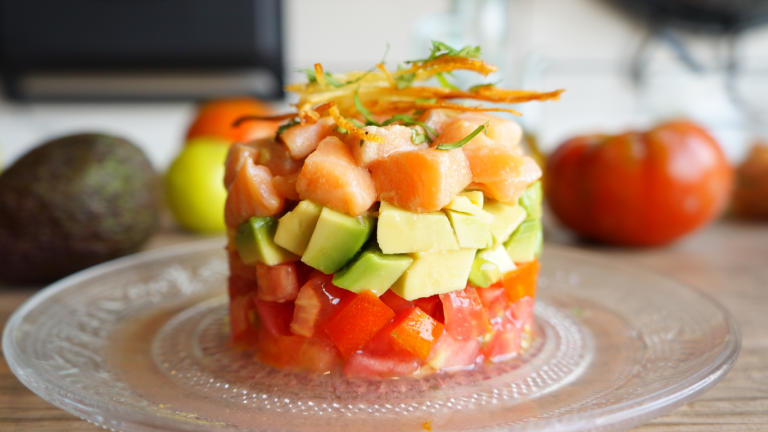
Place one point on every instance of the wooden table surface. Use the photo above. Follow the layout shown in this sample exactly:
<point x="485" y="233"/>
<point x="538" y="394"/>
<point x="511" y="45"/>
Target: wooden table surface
<point x="728" y="261"/>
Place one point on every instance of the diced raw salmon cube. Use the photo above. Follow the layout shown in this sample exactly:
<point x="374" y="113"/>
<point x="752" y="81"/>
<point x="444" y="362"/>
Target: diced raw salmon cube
<point x="422" y="180"/>
<point x="286" y="185"/>
<point x="502" y="132"/>
<point x="500" y="172"/>
<point x="251" y="194"/>
<point x="397" y="138"/>
<point x="331" y="178"/>
<point x="276" y="157"/>
<point x="303" y="139"/>
<point x="437" y="119"/>
<point x="236" y="157"/>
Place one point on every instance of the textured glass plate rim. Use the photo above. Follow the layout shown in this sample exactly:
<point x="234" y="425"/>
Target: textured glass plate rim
<point x="630" y="412"/>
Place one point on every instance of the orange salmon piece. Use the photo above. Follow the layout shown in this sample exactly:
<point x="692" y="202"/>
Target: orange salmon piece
<point x="500" y="172"/>
<point x="502" y="132"/>
<point x="397" y="138"/>
<point x="276" y="157"/>
<point x="236" y="157"/>
<point x="437" y="119"/>
<point x="286" y="186"/>
<point x="251" y="194"/>
<point x="422" y="180"/>
<point x="303" y="139"/>
<point x="331" y="178"/>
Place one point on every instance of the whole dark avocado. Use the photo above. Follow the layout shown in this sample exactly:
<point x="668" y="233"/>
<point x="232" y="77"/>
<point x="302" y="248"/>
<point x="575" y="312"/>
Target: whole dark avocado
<point x="72" y="203"/>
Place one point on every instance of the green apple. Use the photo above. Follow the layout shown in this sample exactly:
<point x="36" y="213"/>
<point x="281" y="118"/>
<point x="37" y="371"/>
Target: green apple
<point x="195" y="185"/>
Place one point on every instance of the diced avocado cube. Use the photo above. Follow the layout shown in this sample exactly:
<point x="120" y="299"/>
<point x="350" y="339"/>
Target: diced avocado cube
<point x="255" y="242"/>
<point x="476" y="197"/>
<point x="336" y="239"/>
<point x="464" y="205"/>
<point x="489" y="266"/>
<point x="530" y="201"/>
<point x="484" y="273"/>
<point x="525" y="244"/>
<point x="401" y="231"/>
<point x="506" y="219"/>
<point x="471" y="231"/>
<point x="435" y="273"/>
<point x="372" y="270"/>
<point x="295" y="228"/>
<point x="498" y="255"/>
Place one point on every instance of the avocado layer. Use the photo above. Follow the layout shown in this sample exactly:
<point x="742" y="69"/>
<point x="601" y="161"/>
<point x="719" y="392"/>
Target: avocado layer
<point x="471" y="231"/>
<point x="435" y="273"/>
<point x="336" y="239"/>
<point x="530" y="201"/>
<point x="295" y="228"/>
<point x="255" y="242"/>
<point x="506" y="219"/>
<point x="525" y="244"/>
<point x="401" y="231"/>
<point x="372" y="270"/>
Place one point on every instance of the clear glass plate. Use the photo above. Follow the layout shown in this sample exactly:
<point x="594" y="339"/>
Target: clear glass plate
<point x="140" y="344"/>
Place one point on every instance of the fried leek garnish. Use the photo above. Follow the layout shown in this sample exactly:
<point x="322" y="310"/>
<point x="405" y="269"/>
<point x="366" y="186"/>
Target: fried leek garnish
<point x="364" y="98"/>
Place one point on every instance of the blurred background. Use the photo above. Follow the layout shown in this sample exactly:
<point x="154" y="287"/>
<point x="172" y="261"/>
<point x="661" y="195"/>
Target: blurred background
<point x="135" y="69"/>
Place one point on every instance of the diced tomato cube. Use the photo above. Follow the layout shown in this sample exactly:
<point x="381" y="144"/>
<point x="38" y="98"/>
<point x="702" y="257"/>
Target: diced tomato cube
<point x="394" y="301"/>
<point x="521" y="313"/>
<point x="242" y="314"/>
<point x="452" y="353"/>
<point x="319" y="299"/>
<point x="298" y="352"/>
<point x="277" y="283"/>
<point x="365" y="364"/>
<point x="494" y="301"/>
<point x="521" y="282"/>
<point x="239" y="286"/>
<point x="303" y="273"/>
<point x="415" y="331"/>
<point x="431" y="305"/>
<point x="503" y="345"/>
<point x="275" y="317"/>
<point x="359" y="319"/>
<point x="465" y="316"/>
<point x="238" y="268"/>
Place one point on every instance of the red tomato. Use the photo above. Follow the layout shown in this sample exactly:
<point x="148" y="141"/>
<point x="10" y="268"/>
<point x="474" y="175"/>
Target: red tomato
<point x="277" y="283"/>
<point x="465" y="316"/>
<point x="639" y="189"/>
<point x="357" y="322"/>
<point x="297" y="352"/>
<point x="216" y="118"/>
<point x="275" y="317"/>
<point x="319" y="299"/>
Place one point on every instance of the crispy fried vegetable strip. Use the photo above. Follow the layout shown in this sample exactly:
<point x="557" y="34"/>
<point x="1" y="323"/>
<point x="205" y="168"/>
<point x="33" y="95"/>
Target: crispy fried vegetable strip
<point x="320" y="75"/>
<point x="386" y="74"/>
<point x="428" y="69"/>
<point x="406" y="106"/>
<point x="351" y="128"/>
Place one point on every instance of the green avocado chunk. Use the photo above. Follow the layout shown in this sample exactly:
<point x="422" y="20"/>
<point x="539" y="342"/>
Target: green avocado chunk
<point x="336" y="239"/>
<point x="471" y="231"/>
<point x="295" y="228"/>
<point x="255" y="243"/>
<point x="526" y="242"/>
<point x="372" y="270"/>
<point x="435" y="273"/>
<point x="506" y="218"/>
<point x="401" y="231"/>
<point x="489" y="266"/>
<point x="530" y="201"/>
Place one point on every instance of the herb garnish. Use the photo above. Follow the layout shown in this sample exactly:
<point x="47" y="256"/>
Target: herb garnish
<point x="369" y="121"/>
<point x="479" y="86"/>
<point x="409" y="121"/>
<point x="460" y="143"/>
<point x="418" y="137"/>
<point x="440" y="49"/>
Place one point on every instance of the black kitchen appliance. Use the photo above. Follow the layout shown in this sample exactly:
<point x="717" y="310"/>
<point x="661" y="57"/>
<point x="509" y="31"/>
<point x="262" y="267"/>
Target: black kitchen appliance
<point x="140" y="49"/>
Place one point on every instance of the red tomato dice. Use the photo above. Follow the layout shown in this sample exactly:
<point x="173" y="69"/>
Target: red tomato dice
<point x="238" y="268"/>
<point x="242" y="317"/>
<point x="317" y="301"/>
<point x="240" y="287"/>
<point x="465" y="316"/>
<point x="452" y="353"/>
<point x="415" y="331"/>
<point x="277" y="283"/>
<point x="275" y="317"/>
<point x="369" y="365"/>
<point x="431" y="305"/>
<point x="298" y="352"/>
<point x="521" y="282"/>
<point x="359" y="319"/>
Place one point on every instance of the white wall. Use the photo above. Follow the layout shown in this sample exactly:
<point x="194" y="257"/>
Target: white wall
<point x="583" y="46"/>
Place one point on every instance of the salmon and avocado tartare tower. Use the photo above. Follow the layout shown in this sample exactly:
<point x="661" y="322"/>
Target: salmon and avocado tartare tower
<point x="389" y="229"/>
